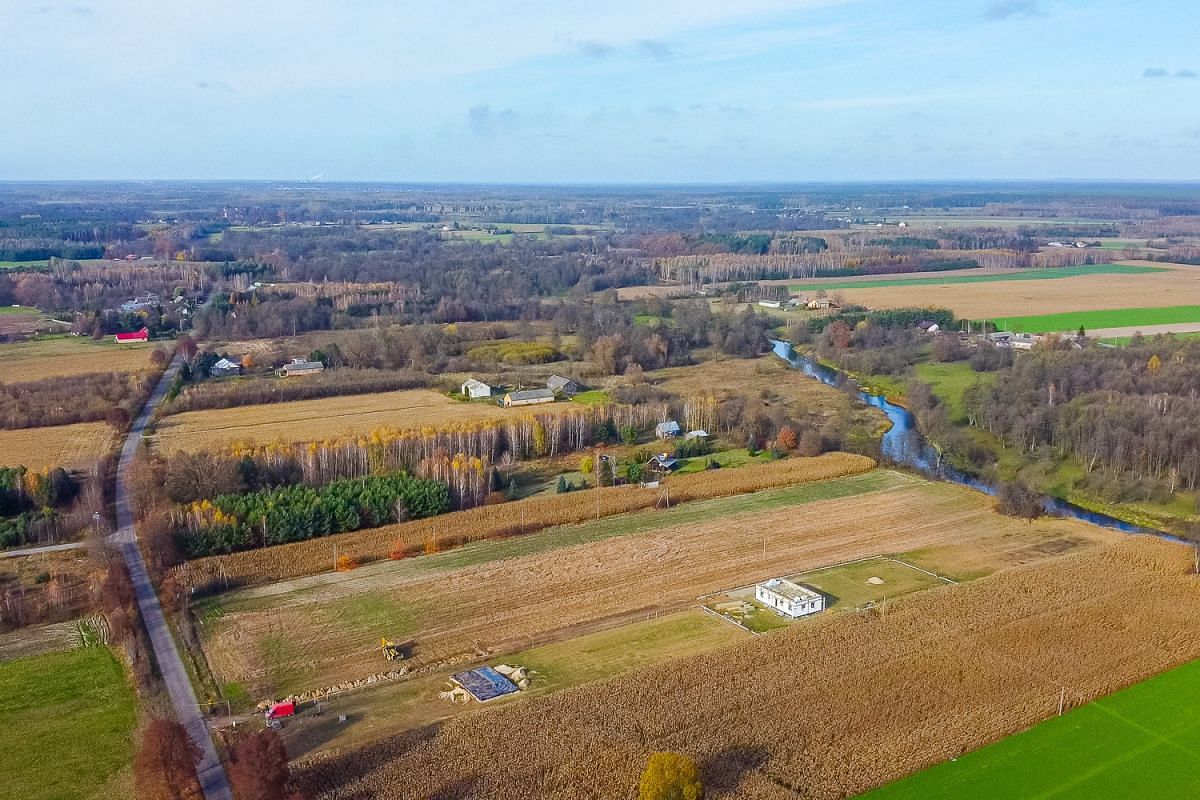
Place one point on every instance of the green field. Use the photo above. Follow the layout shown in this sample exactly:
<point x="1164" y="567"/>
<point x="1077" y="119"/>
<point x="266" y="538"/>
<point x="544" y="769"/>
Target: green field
<point x="1142" y="742"/>
<point x="66" y="724"/>
<point x="737" y="457"/>
<point x="1124" y="340"/>
<point x="949" y="382"/>
<point x="1109" y="318"/>
<point x="1041" y="274"/>
<point x="18" y="310"/>
<point x="592" y="397"/>
<point x="846" y="585"/>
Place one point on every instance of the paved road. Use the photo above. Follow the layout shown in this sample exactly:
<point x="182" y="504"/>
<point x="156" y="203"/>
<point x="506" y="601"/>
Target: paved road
<point x="46" y="548"/>
<point x="212" y="773"/>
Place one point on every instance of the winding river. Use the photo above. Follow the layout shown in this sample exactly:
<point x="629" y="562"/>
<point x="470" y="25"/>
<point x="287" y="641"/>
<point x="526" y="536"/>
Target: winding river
<point x="904" y="444"/>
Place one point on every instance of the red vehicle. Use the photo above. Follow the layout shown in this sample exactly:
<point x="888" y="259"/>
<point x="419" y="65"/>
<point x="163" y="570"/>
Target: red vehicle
<point x="281" y="710"/>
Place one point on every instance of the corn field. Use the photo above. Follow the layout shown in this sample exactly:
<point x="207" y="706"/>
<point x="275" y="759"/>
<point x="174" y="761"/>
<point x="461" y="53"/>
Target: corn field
<point x="821" y="710"/>
<point x="507" y="519"/>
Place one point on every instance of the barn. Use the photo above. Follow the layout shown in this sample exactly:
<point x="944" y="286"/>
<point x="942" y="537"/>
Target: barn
<point x="476" y="388"/>
<point x="137" y="336"/>
<point x="529" y="397"/>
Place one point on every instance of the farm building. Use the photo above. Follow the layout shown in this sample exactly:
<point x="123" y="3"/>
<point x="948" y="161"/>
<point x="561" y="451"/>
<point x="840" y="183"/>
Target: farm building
<point x="928" y="326"/>
<point x="225" y="367"/>
<point x="299" y="366"/>
<point x="667" y="430"/>
<point x="1017" y="341"/>
<point x="771" y="303"/>
<point x="662" y="464"/>
<point x="699" y="433"/>
<point x="528" y="397"/>
<point x="137" y="336"/>
<point x="557" y="383"/>
<point x="821" y="303"/>
<point x="475" y="388"/>
<point x="788" y="598"/>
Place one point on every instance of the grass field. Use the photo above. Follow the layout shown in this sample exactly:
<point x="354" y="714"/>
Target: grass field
<point x="737" y="457"/>
<point x="314" y="420"/>
<point x="66" y="724"/>
<point x="1047" y="273"/>
<point x="993" y="300"/>
<point x="1143" y="741"/>
<point x="1108" y="318"/>
<point x="17" y="309"/>
<point x="69" y="355"/>
<point x="316" y="631"/>
<point x="393" y="707"/>
<point x="949" y="381"/>
<point x="847" y="586"/>
<point x="68" y="446"/>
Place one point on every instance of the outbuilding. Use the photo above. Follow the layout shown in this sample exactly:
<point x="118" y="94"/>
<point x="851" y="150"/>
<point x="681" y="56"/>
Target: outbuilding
<point x="475" y="388"/>
<point x="564" y="386"/>
<point x="137" y="336"/>
<point x="789" y="598"/>
<point x="300" y="366"/>
<point x="667" y="430"/>
<point x="224" y="368"/>
<point x="528" y="397"/>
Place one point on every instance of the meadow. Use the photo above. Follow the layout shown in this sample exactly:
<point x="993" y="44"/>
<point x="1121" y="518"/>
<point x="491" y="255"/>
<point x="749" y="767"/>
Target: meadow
<point x="1102" y="319"/>
<point x="69" y="355"/>
<point x="317" y="420"/>
<point x="827" y="708"/>
<point x="315" y="632"/>
<point x="68" y="446"/>
<point x="1143" y="741"/>
<point x="66" y="724"/>
<point x="990" y="276"/>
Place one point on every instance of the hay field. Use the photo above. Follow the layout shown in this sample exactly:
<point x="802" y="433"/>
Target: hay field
<point x="1176" y="284"/>
<point x="68" y="446"/>
<point x="313" y="420"/>
<point x="319" y="631"/>
<point x="73" y="355"/>
<point x="825" y="709"/>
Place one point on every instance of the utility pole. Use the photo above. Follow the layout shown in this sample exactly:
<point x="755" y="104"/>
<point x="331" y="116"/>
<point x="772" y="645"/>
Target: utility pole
<point x="1062" y="699"/>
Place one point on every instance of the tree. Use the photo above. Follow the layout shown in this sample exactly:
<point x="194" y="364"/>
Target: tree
<point x="259" y="768"/>
<point x="635" y="472"/>
<point x="1082" y="332"/>
<point x="1154" y="364"/>
<point x="562" y="487"/>
<point x="165" y="765"/>
<point x="118" y="418"/>
<point x="786" y="440"/>
<point x="1015" y="499"/>
<point x="670" y="776"/>
<point x="587" y="464"/>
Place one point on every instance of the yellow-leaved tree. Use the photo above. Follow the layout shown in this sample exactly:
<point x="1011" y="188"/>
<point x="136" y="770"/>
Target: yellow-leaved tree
<point x="1154" y="364"/>
<point x="670" y="776"/>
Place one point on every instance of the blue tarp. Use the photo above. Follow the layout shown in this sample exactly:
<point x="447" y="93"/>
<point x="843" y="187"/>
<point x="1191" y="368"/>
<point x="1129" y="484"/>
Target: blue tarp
<point x="485" y="683"/>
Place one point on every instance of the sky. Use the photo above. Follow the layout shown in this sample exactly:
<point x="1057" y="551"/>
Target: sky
<point x="621" y="91"/>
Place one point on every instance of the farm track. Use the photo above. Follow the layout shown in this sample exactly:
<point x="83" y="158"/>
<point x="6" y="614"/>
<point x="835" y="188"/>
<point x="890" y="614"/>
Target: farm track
<point x="825" y="709"/>
<point x="499" y="606"/>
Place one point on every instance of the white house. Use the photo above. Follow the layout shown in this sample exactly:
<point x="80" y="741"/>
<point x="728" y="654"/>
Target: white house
<point x="225" y="367"/>
<point x="474" y="388"/>
<point x="788" y="598"/>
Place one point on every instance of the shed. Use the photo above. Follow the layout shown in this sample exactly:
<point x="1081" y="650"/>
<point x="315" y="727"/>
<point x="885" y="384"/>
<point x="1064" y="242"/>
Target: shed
<point x="225" y="367"/>
<point x="565" y="386"/>
<point x="475" y="388"/>
<point x="929" y="326"/>
<point x="667" y="430"/>
<point x="300" y="366"/>
<point x="699" y="433"/>
<point x="528" y="397"/>
<point x="789" y="598"/>
<point x="137" y="336"/>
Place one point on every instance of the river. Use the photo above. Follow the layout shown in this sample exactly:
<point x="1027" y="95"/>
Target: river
<point x="904" y="444"/>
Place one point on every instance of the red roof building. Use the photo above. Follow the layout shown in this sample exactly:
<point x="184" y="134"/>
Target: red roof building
<point x="137" y="336"/>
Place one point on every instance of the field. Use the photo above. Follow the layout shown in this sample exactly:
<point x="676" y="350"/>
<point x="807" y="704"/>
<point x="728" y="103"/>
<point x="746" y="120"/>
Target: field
<point x="1143" y="741"/>
<point x="828" y="708"/>
<point x="314" y="420"/>
<point x="412" y="704"/>
<point x="319" y="631"/>
<point x="69" y="355"/>
<point x="993" y="300"/>
<point x="988" y="276"/>
<point x="68" y="446"/>
<point x="949" y="381"/>
<point x="847" y="586"/>
<point x="514" y="519"/>
<point x="1161" y="317"/>
<point x="66" y="724"/>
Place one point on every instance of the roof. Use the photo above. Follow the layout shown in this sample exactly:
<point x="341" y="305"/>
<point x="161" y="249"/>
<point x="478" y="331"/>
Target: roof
<point x="484" y="683"/>
<point x="699" y="433"/>
<point x="663" y="460"/>
<point x="559" y="382"/>
<point x="531" y="394"/>
<point x="790" y="590"/>
<point x="144" y="333"/>
<point x="475" y="382"/>
<point x="225" y="363"/>
<point x="301" y="364"/>
<point x="671" y="426"/>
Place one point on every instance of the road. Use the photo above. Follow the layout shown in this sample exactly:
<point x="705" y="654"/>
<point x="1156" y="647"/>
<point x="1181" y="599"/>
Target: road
<point x="213" y="780"/>
<point x="46" y="548"/>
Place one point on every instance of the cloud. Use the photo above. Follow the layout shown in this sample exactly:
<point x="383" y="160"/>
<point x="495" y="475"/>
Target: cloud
<point x="1006" y="9"/>
<point x="1160" y="72"/>
<point x="653" y="48"/>
<point x="593" y="48"/>
<point x="663" y="110"/>
<point x="483" y="121"/>
<point x="219" y="86"/>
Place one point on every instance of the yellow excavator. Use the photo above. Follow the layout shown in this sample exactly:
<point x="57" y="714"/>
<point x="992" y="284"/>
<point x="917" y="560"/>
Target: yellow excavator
<point x="391" y="650"/>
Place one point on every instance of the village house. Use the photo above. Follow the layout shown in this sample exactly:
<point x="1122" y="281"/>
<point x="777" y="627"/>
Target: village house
<point x="137" y="336"/>
<point x="475" y="388"/>
<point x="928" y="326"/>
<point x="789" y="598"/>
<point x="820" y="304"/>
<point x="224" y="368"/>
<point x="564" y="386"/>
<point x="661" y="464"/>
<point x="528" y="397"/>
<point x="667" y="430"/>
<point x="300" y="366"/>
